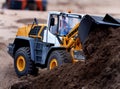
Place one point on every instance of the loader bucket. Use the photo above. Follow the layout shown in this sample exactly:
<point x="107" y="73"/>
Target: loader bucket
<point x="89" y="23"/>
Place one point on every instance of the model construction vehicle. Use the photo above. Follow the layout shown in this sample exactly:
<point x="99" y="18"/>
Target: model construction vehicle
<point x="59" y="41"/>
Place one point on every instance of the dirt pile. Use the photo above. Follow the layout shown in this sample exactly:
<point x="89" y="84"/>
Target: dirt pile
<point x="100" y="71"/>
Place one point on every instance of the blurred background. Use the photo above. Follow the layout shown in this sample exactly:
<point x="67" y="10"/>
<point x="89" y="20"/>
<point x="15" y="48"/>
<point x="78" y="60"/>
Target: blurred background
<point x="23" y="12"/>
<point x="80" y="6"/>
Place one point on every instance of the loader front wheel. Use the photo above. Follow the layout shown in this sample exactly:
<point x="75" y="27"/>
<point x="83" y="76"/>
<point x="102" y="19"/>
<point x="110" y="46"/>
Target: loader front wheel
<point x="22" y="63"/>
<point x="58" y="58"/>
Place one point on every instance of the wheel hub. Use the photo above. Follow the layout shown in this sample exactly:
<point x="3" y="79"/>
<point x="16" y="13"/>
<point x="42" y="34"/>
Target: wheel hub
<point x="53" y="63"/>
<point x="21" y="63"/>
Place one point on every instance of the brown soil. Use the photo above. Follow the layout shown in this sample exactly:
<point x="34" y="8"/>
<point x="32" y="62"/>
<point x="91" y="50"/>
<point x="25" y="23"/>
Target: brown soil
<point x="100" y="71"/>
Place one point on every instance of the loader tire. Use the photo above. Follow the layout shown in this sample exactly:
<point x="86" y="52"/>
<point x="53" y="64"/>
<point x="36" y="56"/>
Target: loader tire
<point x="23" y="64"/>
<point x="58" y="58"/>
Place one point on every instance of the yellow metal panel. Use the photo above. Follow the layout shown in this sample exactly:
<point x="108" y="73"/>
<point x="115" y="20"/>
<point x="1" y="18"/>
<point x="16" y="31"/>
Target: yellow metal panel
<point x="24" y="31"/>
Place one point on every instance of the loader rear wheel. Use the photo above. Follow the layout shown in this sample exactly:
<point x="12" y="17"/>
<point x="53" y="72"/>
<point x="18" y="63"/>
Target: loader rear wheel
<point x="57" y="58"/>
<point x="22" y="63"/>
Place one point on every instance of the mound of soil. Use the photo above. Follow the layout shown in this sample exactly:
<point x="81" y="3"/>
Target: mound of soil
<point x="100" y="71"/>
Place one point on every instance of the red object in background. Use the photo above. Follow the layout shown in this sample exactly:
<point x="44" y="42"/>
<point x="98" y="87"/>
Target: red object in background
<point x="26" y="4"/>
<point x="39" y="4"/>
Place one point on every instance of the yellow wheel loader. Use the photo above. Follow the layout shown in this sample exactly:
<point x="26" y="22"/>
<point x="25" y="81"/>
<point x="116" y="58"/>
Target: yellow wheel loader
<point x="58" y="42"/>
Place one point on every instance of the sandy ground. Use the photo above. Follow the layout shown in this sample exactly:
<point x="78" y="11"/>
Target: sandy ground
<point x="10" y="20"/>
<point x="9" y="23"/>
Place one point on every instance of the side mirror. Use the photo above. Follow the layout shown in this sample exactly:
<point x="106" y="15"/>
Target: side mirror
<point x="52" y="22"/>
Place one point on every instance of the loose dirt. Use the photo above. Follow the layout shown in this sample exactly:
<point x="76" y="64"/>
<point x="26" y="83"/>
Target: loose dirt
<point x="100" y="71"/>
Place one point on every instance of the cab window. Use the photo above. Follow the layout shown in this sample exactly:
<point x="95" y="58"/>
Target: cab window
<point x="54" y="24"/>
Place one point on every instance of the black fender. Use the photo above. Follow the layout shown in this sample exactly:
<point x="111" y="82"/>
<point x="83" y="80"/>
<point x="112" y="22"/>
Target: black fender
<point x="24" y="42"/>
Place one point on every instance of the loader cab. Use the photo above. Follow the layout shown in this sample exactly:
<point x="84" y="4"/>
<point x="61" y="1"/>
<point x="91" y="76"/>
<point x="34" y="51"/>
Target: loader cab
<point x="62" y="23"/>
<point x="59" y="25"/>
